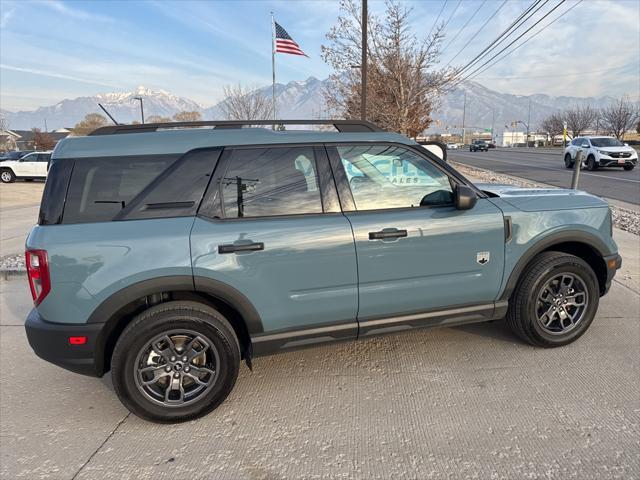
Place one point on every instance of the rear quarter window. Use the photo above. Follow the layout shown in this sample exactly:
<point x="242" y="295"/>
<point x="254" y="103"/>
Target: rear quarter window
<point x="137" y="187"/>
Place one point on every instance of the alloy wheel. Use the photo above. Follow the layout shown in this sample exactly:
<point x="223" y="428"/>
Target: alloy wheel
<point x="561" y="303"/>
<point x="177" y="368"/>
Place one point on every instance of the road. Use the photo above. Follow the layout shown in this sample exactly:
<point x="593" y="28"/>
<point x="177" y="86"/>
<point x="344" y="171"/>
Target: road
<point x="548" y="167"/>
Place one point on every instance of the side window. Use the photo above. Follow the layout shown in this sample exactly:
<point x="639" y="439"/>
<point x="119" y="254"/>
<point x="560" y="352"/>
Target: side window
<point x="100" y="188"/>
<point x="263" y="182"/>
<point x="383" y="176"/>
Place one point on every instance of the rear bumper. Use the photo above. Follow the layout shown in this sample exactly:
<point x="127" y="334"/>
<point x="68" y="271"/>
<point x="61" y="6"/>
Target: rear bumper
<point x="50" y="341"/>
<point x="613" y="263"/>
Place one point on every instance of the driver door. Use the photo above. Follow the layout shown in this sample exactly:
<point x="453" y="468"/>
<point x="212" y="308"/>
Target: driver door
<point x="415" y="251"/>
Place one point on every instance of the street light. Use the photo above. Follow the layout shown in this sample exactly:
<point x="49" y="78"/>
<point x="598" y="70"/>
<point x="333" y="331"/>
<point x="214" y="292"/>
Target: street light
<point x="141" y="108"/>
<point x="527" y="127"/>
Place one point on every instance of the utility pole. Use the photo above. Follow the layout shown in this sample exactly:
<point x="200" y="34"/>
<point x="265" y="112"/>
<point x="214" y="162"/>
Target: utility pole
<point x="363" y="64"/>
<point x="46" y="129"/>
<point x="141" y="108"/>
<point x="464" y="114"/>
<point x="528" y="122"/>
<point x="493" y="123"/>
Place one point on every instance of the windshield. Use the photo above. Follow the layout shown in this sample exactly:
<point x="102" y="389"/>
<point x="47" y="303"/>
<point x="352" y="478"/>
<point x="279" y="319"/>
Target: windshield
<point x="606" y="142"/>
<point x="12" y="155"/>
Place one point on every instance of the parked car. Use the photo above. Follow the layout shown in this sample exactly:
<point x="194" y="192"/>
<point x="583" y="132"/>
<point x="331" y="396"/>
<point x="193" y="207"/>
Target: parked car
<point x="601" y="152"/>
<point x="13" y="155"/>
<point x="169" y="255"/>
<point x="452" y="146"/>
<point x="31" y="166"/>
<point x="479" y="146"/>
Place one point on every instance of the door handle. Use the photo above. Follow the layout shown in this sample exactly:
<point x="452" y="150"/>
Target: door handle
<point x="384" y="234"/>
<point x="241" y="247"/>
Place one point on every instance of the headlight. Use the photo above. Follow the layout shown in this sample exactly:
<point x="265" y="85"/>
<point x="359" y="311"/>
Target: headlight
<point x="602" y="152"/>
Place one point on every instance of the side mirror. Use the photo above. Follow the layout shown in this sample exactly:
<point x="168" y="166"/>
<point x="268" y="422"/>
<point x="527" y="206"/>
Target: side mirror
<point x="437" y="148"/>
<point x="465" y="197"/>
<point x="585" y="145"/>
<point x="626" y="144"/>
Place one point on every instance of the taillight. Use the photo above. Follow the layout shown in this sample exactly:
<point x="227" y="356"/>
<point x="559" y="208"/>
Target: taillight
<point x="38" y="274"/>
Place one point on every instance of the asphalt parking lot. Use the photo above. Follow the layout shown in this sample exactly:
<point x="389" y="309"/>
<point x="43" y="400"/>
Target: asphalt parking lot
<point x="545" y="166"/>
<point x="467" y="402"/>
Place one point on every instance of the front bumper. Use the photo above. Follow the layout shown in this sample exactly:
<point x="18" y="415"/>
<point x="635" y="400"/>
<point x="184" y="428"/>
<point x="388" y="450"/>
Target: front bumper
<point x="50" y="341"/>
<point x="613" y="264"/>
<point x="615" y="162"/>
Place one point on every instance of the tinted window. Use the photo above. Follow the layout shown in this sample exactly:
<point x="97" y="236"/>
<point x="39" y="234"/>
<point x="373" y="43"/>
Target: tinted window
<point x="101" y="188"/>
<point x="271" y="181"/>
<point x="606" y="142"/>
<point x="393" y="177"/>
<point x="576" y="141"/>
<point x="44" y="157"/>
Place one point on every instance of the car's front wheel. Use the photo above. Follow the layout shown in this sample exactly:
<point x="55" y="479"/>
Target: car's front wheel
<point x="7" y="176"/>
<point x="568" y="161"/>
<point x="628" y="167"/>
<point x="555" y="301"/>
<point x="175" y="362"/>
<point x="591" y="163"/>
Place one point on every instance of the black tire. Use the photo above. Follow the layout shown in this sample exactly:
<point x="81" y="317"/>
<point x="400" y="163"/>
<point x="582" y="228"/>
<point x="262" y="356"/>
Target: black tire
<point x="628" y="167"/>
<point x="28" y="179"/>
<point x="7" y="176"/>
<point x="568" y="161"/>
<point x="591" y="163"/>
<point x="522" y="315"/>
<point x="174" y="319"/>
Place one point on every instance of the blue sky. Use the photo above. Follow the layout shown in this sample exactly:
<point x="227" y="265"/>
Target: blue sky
<point x="51" y="50"/>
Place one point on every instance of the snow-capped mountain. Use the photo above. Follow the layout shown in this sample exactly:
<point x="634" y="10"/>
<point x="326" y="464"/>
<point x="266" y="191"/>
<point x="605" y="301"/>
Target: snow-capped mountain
<point x="305" y="99"/>
<point x="483" y="103"/>
<point x="123" y="106"/>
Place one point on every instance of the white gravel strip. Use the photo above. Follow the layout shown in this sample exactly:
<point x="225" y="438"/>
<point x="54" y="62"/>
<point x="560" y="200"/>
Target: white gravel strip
<point x="623" y="218"/>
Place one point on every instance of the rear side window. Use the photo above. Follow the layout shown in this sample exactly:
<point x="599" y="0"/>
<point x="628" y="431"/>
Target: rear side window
<point x="262" y="182"/>
<point x="136" y="187"/>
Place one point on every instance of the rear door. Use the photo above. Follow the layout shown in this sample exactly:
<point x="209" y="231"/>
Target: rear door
<point x="41" y="165"/>
<point x="416" y="252"/>
<point x="271" y="228"/>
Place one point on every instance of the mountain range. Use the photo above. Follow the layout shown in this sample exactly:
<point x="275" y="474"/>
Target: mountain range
<point x="304" y="99"/>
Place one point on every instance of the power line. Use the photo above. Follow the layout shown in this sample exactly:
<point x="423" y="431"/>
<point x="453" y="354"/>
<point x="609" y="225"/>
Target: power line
<point x="503" y="35"/>
<point x="574" y="74"/>
<point x="437" y="18"/>
<point x="464" y="26"/>
<point x="452" y="14"/>
<point x="533" y="36"/>
<point x="479" y="30"/>
<point x="514" y="41"/>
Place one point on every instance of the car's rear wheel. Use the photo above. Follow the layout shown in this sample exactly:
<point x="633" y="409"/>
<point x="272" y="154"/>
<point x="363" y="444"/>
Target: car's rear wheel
<point x="591" y="163"/>
<point x="555" y="301"/>
<point x="175" y="362"/>
<point x="7" y="176"/>
<point x="628" y="167"/>
<point x="568" y="162"/>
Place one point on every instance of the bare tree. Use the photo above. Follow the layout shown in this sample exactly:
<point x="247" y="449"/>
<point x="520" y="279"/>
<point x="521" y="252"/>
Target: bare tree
<point x="187" y="117"/>
<point x="7" y="141"/>
<point x="242" y="103"/>
<point x="158" y="119"/>
<point x="43" y="141"/>
<point x="619" y="117"/>
<point x="579" y="119"/>
<point x="403" y="83"/>
<point x="553" y="125"/>
<point x="90" y="122"/>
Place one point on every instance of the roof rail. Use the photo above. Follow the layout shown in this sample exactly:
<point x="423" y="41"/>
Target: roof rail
<point x="343" y="126"/>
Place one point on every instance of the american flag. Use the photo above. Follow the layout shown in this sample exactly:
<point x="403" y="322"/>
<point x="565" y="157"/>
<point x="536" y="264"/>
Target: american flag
<point x="286" y="44"/>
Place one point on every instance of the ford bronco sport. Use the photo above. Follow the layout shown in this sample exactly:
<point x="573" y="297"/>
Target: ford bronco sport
<point x="166" y="255"/>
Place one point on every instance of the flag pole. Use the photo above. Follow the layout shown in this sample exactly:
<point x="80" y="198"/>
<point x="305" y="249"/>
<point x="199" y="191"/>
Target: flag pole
<point x="273" y="66"/>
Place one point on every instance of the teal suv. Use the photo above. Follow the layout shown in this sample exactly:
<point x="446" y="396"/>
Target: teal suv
<point x="169" y="253"/>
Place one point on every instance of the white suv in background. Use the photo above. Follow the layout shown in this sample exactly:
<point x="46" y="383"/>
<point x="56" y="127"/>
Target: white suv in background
<point x="601" y="152"/>
<point x="32" y="166"/>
